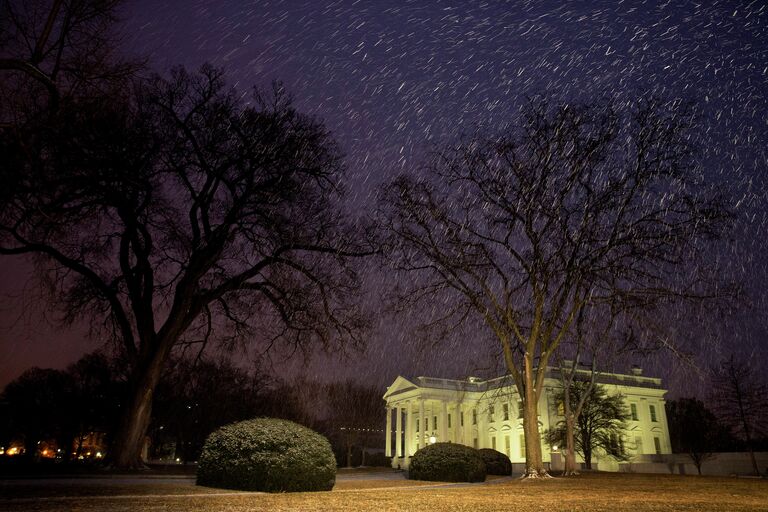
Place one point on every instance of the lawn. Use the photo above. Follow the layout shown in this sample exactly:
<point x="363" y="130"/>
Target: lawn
<point x="593" y="492"/>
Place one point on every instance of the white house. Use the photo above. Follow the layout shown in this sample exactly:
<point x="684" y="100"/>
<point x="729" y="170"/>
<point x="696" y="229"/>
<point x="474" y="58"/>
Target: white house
<point x="487" y="414"/>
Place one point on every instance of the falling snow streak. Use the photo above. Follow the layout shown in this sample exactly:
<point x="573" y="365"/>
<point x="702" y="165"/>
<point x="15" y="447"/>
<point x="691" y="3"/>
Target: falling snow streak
<point x="390" y="78"/>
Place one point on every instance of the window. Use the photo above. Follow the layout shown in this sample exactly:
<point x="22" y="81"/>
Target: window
<point x="461" y="417"/>
<point x="505" y="411"/>
<point x="657" y="445"/>
<point x="434" y="422"/>
<point x="652" y="408"/>
<point x="507" y="446"/>
<point x="522" y="445"/>
<point x="426" y="424"/>
<point x="417" y="425"/>
<point x="474" y="443"/>
<point x="519" y="409"/>
<point x="561" y="408"/>
<point x="638" y="445"/>
<point x="474" y="416"/>
<point x="490" y="413"/>
<point x="493" y="442"/>
<point x="449" y="421"/>
<point x="633" y="410"/>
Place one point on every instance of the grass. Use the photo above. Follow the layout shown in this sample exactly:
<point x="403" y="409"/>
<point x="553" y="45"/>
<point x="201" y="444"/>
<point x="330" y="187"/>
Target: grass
<point x="592" y="492"/>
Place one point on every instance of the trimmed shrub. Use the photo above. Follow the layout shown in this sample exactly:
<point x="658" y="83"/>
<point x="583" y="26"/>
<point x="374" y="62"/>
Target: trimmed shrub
<point x="269" y="455"/>
<point x="447" y="462"/>
<point x="496" y="463"/>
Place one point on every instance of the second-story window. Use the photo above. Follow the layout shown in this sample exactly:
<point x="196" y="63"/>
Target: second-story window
<point x="652" y="408"/>
<point x="520" y="409"/>
<point x="490" y="413"/>
<point x="474" y="416"/>
<point x="505" y="411"/>
<point x="633" y="410"/>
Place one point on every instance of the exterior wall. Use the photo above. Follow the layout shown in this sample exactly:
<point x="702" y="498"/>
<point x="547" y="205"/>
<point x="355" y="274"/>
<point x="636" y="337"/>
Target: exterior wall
<point x="432" y="409"/>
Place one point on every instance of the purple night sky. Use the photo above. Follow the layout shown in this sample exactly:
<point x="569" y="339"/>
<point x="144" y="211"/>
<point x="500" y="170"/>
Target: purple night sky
<point x="389" y="78"/>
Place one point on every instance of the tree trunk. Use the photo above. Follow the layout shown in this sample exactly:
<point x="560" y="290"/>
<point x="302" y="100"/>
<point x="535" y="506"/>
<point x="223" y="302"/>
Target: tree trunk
<point x="534" y="466"/>
<point x="570" y="447"/>
<point x="754" y="461"/>
<point x="129" y="440"/>
<point x="587" y="455"/>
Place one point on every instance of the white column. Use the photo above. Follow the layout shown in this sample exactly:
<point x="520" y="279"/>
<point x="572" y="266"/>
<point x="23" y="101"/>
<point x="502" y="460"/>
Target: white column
<point x="398" y="431"/>
<point x="408" y="429"/>
<point x="444" y="423"/>
<point x="482" y="425"/>
<point x="422" y="425"/>
<point x="459" y="427"/>
<point x="388" y="433"/>
<point x="456" y="423"/>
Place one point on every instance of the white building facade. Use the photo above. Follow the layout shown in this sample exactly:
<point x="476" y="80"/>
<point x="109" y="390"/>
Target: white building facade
<point x="487" y="414"/>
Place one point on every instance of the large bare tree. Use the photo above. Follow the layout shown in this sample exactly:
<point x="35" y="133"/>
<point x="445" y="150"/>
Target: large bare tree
<point x="740" y="399"/>
<point x="572" y="206"/>
<point x="174" y="214"/>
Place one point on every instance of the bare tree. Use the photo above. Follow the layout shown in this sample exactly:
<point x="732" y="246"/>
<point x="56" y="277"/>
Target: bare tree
<point x="52" y="51"/>
<point x="574" y="206"/>
<point x="175" y="214"/>
<point x="694" y="430"/>
<point x="740" y="401"/>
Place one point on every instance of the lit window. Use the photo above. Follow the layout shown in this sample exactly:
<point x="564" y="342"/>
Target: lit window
<point x="507" y="446"/>
<point x="505" y="411"/>
<point x="561" y="408"/>
<point x="522" y="445"/>
<point x="633" y="410"/>
<point x="657" y="445"/>
<point x="653" y="413"/>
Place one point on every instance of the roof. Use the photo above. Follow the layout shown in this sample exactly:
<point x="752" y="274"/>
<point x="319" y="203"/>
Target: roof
<point x="479" y="385"/>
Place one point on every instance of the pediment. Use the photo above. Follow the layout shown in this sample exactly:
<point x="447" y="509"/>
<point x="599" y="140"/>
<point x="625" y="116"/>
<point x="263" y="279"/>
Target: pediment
<point x="400" y="385"/>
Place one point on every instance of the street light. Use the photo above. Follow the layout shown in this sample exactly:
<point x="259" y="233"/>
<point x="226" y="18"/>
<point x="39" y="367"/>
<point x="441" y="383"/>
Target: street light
<point x="432" y="439"/>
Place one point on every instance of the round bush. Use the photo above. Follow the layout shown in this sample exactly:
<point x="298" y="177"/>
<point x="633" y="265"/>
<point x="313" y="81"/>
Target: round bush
<point x="267" y="455"/>
<point x="447" y="462"/>
<point x="496" y="463"/>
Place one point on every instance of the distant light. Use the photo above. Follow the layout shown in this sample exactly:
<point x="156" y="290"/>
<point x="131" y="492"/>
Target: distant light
<point x="554" y="448"/>
<point x="432" y="439"/>
<point x="178" y="459"/>
<point x="98" y="455"/>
